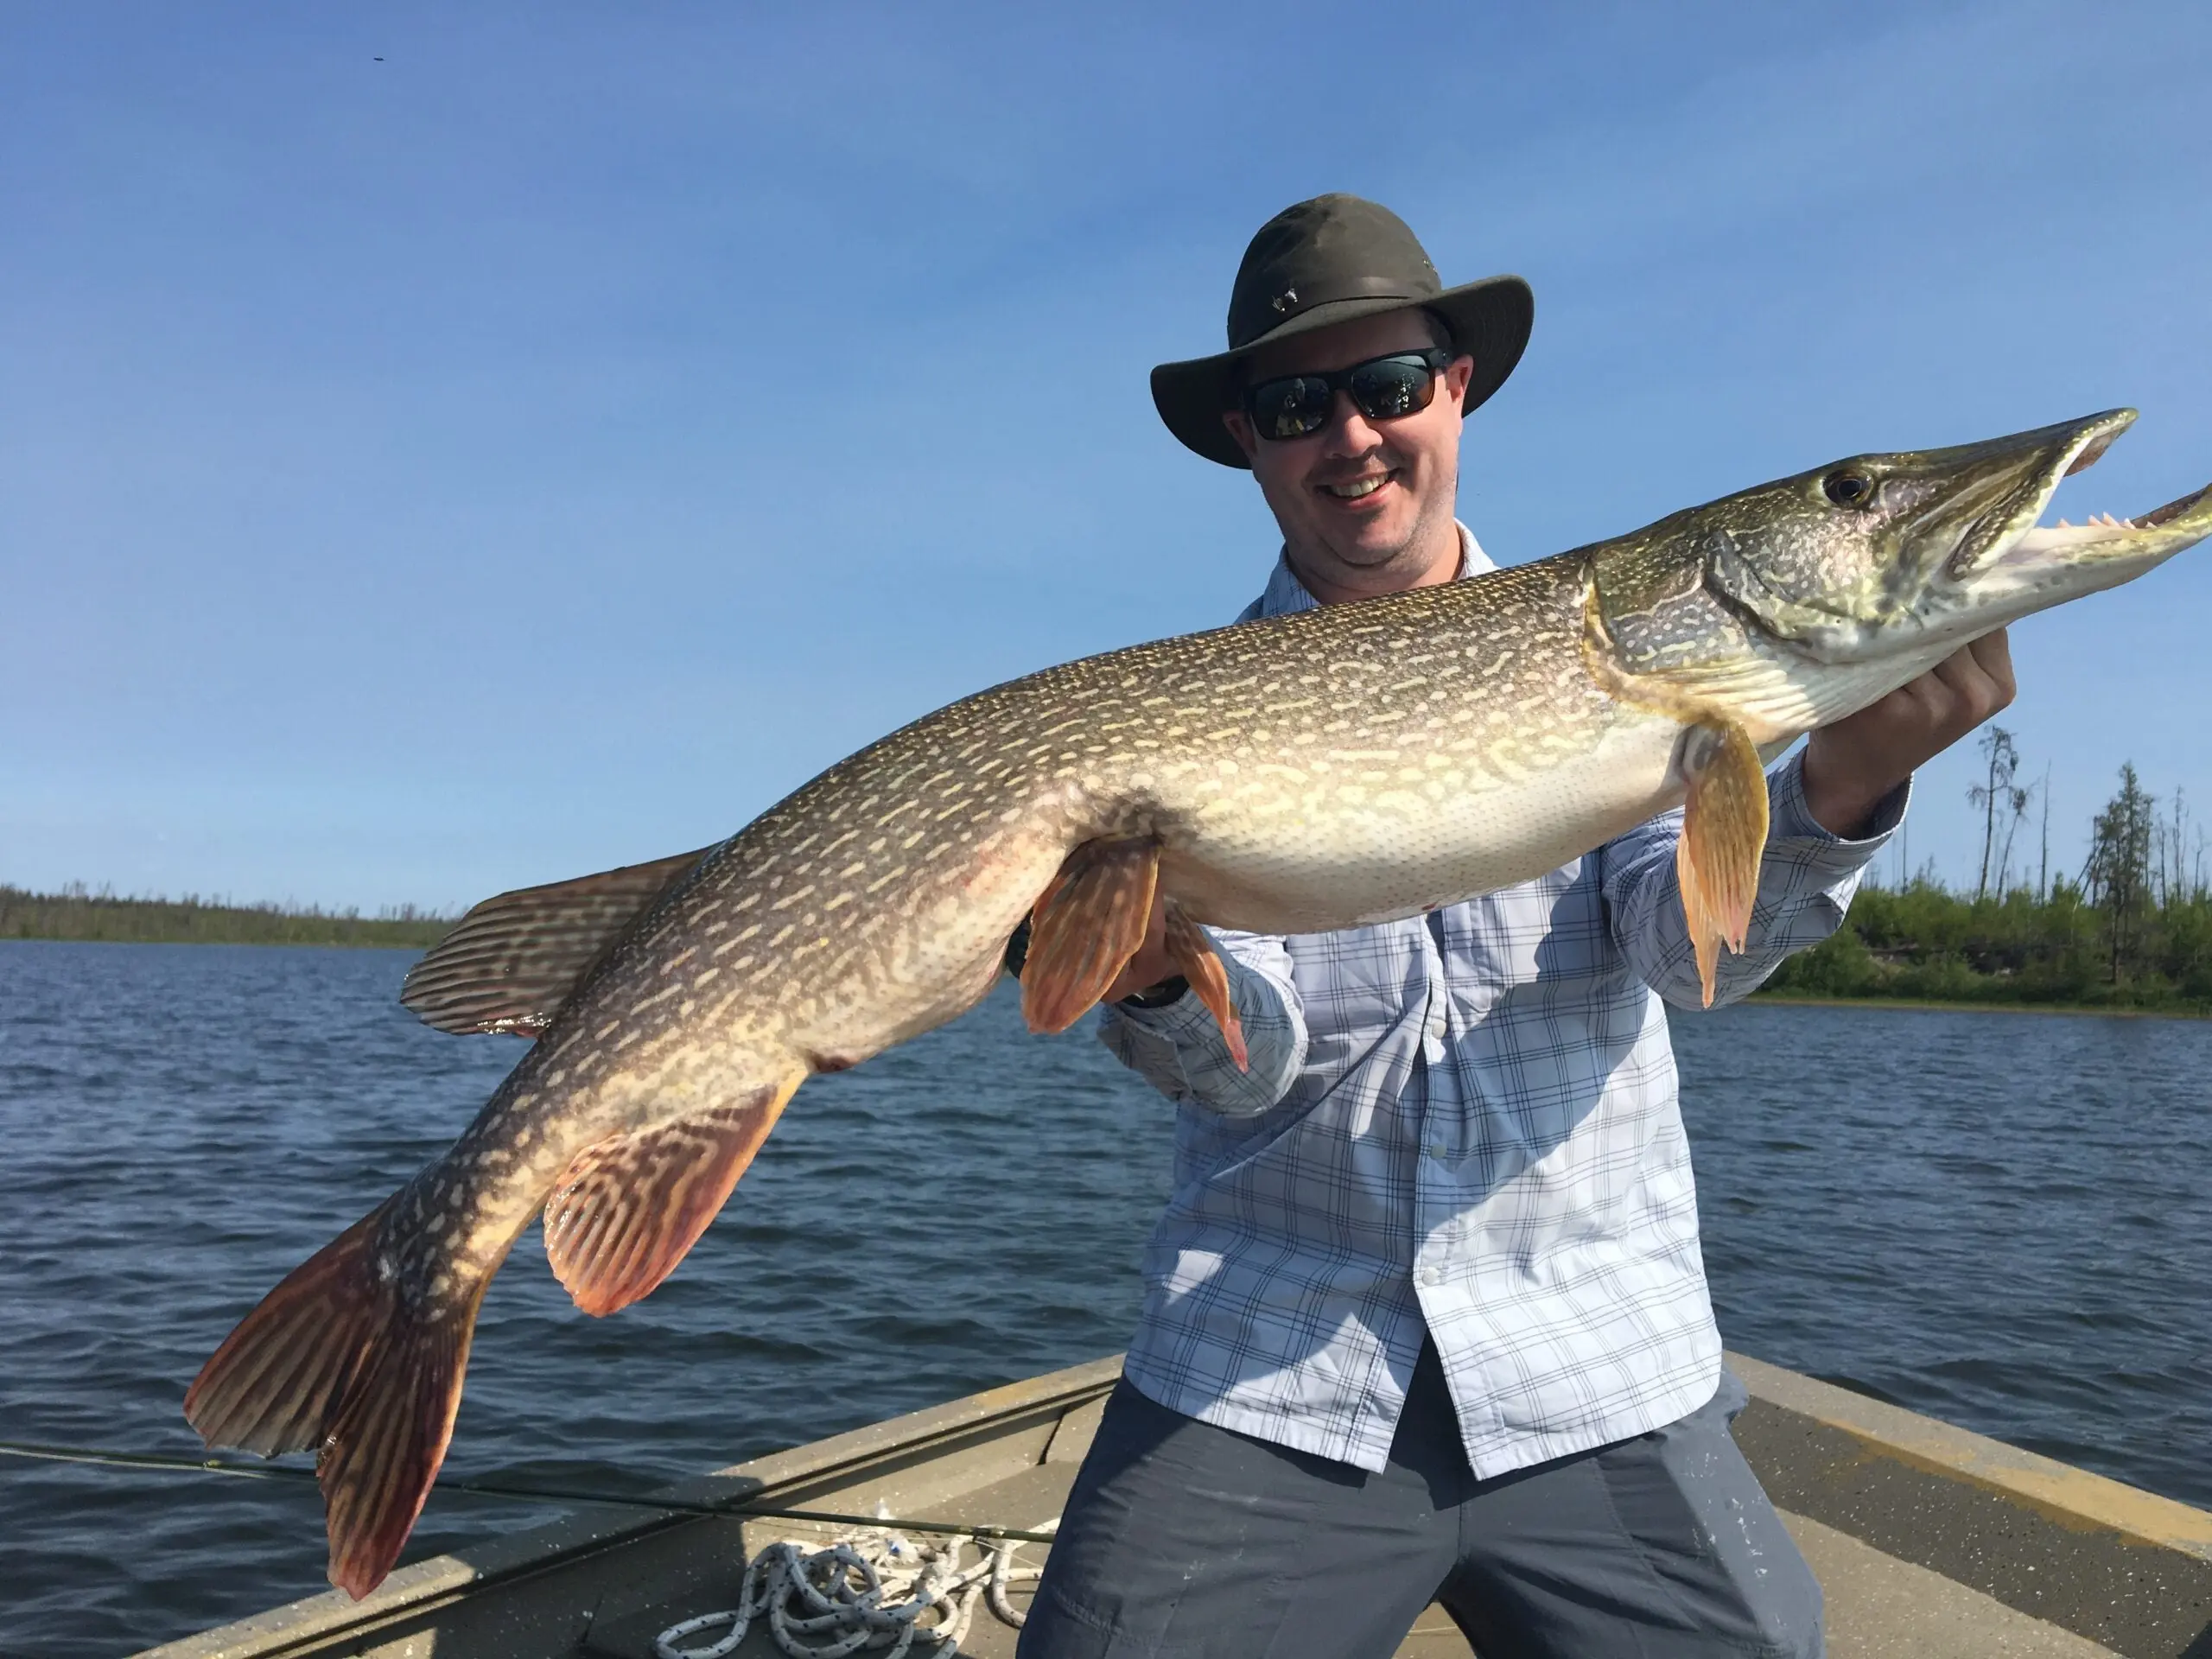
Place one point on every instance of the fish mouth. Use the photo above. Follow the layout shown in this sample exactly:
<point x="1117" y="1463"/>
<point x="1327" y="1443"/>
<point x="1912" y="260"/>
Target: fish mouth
<point x="2008" y="564"/>
<point x="2023" y="473"/>
<point x="2100" y="536"/>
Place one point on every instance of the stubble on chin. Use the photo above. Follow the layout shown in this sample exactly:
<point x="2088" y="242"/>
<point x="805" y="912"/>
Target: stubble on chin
<point x="1375" y="567"/>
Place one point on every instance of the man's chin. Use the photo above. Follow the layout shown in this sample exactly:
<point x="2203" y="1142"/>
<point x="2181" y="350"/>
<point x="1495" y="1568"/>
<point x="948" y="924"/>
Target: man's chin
<point x="1376" y="551"/>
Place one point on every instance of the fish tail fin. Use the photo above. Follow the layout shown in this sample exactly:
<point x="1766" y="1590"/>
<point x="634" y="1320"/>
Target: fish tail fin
<point x="335" y="1358"/>
<point x="383" y="1450"/>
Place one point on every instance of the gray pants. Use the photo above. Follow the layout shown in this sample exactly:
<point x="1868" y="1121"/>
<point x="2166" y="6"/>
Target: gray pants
<point x="1187" y="1541"/>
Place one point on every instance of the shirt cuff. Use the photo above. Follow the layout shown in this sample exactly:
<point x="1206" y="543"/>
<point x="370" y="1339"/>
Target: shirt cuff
<point x="1186" y="1014"/>
<point x="1789" y="819"/>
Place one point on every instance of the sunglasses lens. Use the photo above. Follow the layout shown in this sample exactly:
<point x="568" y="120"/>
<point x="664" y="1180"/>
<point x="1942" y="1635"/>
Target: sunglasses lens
<point x="1291" y="407"/>
<point x="1392" y="387"/>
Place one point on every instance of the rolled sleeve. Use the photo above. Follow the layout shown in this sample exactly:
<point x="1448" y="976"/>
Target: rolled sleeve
<point x="1805" y="882"/>
<point x="1179" y="1049"/>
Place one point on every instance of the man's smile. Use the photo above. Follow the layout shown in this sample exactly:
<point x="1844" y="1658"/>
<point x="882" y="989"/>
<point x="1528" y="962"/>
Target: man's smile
<point x="1357" y="489"/>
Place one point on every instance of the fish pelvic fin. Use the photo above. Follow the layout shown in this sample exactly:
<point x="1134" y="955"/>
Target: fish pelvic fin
<point x="511" y="963"/>
<point x="1723" y="840"/>
<point x="1085" y="926"/>
<point x="1195" y="955"/>
<point x="627" y="1210"/>
<point x="336" y="1358"/>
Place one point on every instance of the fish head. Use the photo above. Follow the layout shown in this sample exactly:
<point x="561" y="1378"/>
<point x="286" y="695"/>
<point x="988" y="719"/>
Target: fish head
<point x="1908" y="556"/>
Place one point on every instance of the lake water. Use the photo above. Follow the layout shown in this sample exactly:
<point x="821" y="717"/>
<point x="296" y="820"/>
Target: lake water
<point x="2004" y="1220"/>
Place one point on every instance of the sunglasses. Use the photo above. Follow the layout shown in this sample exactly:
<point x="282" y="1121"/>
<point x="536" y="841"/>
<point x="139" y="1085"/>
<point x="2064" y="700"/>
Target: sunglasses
<point x="1383" y="389"/>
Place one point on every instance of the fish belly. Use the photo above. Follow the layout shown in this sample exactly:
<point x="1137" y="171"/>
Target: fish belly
<point x="1366" y="850"/>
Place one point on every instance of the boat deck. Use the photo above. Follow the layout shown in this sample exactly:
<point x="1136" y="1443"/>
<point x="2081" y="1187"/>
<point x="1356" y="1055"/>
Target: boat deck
<point x="1879" y="1607"/>
<point x="1929" y="1542"/>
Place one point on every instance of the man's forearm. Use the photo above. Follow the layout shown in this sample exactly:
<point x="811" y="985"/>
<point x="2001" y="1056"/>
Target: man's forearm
<point x="1806" y="880"/>
<point x="1179" y="1049"/>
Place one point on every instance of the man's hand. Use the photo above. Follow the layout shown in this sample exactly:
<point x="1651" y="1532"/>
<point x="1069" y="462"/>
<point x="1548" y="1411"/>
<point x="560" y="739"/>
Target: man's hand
<point x="1152" y="964"/>
<point x="1851" y="766"/>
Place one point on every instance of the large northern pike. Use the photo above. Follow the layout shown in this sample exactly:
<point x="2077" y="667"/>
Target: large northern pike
<point x="1306" y="773"/>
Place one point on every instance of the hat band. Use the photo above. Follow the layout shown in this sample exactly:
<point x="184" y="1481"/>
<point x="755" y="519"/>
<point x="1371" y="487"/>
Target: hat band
<point x="1292" y="301"/>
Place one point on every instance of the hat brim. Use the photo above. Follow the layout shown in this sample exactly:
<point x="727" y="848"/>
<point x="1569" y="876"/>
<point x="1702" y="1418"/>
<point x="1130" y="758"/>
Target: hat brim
<point x="1489" y="320"/>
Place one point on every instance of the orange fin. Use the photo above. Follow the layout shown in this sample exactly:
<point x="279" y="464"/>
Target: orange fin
<point x="625" y="1211"/>
<point x="382" y="1451"/>
<point x="509" y="964"/>
<point x="334" y="1357"/>
<point x="1723" y="837"/>
<point x="1087" y="925"/>
<point x="1201" y="964"/>
<point x="277" y="1378"/>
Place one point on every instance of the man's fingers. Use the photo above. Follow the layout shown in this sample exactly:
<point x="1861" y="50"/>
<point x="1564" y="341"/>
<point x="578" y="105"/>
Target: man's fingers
<point x="1978" y="676"/>
<point x="1993" y="651"/>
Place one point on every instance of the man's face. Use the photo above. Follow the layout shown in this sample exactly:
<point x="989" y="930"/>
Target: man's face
<point x="1365" y="508"/>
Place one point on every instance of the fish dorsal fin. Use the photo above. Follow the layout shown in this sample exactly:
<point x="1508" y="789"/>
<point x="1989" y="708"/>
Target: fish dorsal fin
<point x="626" y="1211"/>
<point x="511" y="961"/>
<point x="1724" y="838"/>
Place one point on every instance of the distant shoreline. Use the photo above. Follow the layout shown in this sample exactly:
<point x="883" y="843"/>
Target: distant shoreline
<point x="78" y="916"/>
<point x="1937" y="1005"/>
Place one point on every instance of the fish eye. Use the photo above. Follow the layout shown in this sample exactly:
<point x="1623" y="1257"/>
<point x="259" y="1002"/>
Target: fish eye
<point x="1848" y="489"/>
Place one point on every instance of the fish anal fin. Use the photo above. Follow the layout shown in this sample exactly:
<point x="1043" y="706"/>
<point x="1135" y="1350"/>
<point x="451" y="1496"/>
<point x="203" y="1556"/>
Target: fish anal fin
<point x="1195" y="955"/>
<point x="511" y="961"/>
<point x="1085" y="926"/>
<point x="626" y="1211"/>
<point x="1724" y="838"/>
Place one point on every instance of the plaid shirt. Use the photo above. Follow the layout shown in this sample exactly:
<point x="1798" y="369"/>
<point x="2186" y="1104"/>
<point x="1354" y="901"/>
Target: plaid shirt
<point x="1462" y="1124"/>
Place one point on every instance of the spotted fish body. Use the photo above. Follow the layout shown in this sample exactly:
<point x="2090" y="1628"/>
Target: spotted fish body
<point x="1324" y="770"/>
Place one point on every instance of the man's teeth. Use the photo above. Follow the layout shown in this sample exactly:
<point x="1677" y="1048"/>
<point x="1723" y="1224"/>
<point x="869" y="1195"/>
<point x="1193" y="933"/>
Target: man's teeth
<point x="1357" y="487"/>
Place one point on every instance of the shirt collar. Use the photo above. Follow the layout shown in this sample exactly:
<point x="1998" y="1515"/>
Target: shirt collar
<point x="1286" y="592"/>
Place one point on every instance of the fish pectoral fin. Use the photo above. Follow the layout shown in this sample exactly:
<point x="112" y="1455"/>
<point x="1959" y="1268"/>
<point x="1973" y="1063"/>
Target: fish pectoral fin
<point x="627" y="1210"/>
<point x="509" y="964"/>
<point x="335" y="1358"/>
<point x="1724" y="838"/>
<point x="1084" y="928"/>
<point x="1195" y="955"/>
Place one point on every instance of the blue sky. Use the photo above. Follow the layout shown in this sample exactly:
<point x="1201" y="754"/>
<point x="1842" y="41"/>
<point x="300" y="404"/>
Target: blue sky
<point x="545" y="447"/>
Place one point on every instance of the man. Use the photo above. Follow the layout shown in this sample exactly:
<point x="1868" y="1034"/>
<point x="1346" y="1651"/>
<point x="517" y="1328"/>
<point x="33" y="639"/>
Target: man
<point x="1425" y="1317"/>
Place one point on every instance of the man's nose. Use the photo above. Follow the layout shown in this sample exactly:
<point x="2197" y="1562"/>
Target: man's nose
<point x="1349" y="432"/>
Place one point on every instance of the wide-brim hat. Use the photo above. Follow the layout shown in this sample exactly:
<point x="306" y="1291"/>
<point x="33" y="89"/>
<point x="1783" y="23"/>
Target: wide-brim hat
<point x="1326" y="261"/>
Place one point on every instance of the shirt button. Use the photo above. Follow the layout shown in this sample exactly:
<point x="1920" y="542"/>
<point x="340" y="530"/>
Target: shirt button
<point x="1433" y="1150"/>
<point x="1432" y="1275"/>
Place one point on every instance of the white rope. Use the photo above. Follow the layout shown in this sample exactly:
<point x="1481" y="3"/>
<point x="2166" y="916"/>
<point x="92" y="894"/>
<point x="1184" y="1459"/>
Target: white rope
<point x="870" y="1592"/>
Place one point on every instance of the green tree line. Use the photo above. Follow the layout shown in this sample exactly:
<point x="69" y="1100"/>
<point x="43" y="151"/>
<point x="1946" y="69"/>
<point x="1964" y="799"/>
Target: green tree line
<point x="2131" y="930"/>
<point x="78" y="913"/>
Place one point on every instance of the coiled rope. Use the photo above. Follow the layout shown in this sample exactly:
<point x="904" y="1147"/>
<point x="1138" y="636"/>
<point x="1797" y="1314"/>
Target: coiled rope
<point x="870" y="1590"/>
